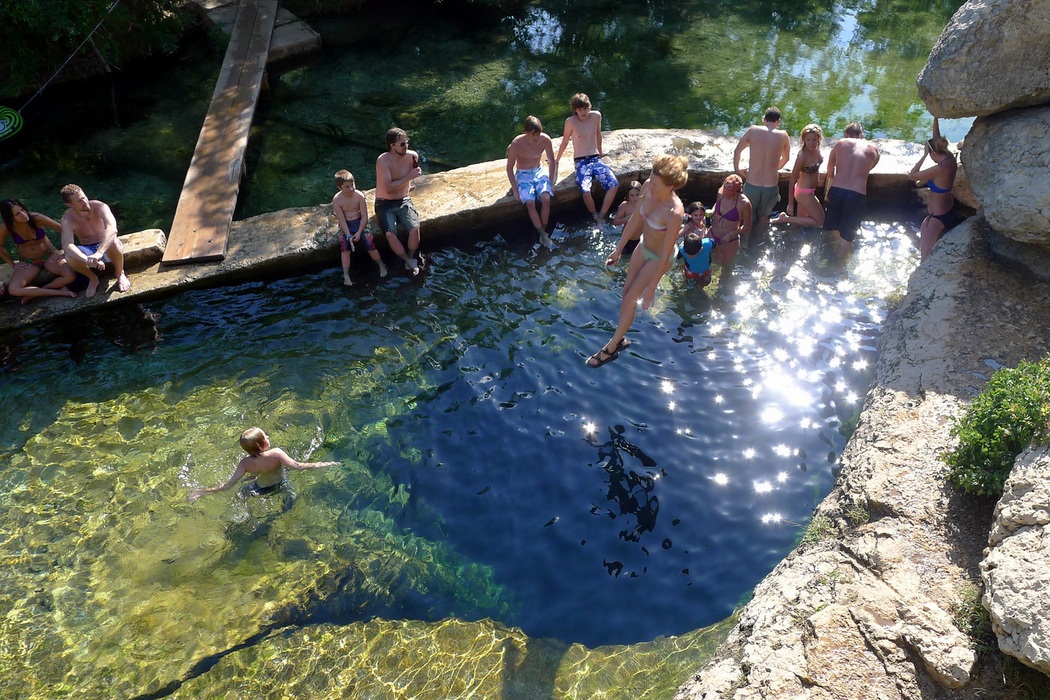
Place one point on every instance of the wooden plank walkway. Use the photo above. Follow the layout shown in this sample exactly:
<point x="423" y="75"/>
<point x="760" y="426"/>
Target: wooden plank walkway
<point x="204" y="213"/>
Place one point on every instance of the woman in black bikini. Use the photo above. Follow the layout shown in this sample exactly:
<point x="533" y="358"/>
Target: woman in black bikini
<point x="939" y="178"/>
<point x="731" y="219"/>
<point x="36" y="252"/>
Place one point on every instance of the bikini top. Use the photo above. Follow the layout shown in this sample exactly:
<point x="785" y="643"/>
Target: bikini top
<point x="19" y="240"/>
<point x="641" y="210"/>
<point x="813" y="169"/>
<point x="733" y="215"/>
<point x="934" y="188"/>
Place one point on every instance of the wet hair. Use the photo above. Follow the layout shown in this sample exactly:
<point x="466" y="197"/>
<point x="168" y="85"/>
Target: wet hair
<point x="772" y="114"/>
<point x="732" y="178"/>
<point x="939" y="145"/>
<point x="393" y="135"/>
<point x="71" y="192"/>
<point x="693" y="244"/>
<point x="580" y="100"/>
<point x="673" y="170"/>
<point x="7" y="213"/>
<point x="634" y="185"/>
<point x="533" y="125"/>
<point x="695" y="206"/>
<point x="342" y="177"/>
<point x="854" y="130"/>
<point x="252" y="441"/>
<point x="811" y="129"/>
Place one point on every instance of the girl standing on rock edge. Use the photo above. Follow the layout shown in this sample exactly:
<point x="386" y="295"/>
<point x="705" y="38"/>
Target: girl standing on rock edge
<point x="939" y="178"/>
<point x="658" y="219"/>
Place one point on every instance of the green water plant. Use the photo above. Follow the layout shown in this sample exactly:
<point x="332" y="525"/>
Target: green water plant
<point x="1011" y="413"/>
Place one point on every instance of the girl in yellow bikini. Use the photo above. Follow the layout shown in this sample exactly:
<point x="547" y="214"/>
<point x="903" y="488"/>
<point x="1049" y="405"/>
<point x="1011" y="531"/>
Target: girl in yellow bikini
<point x="657" y="219"/>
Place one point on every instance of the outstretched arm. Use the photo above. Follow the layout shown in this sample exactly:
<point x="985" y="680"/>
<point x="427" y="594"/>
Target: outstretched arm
<point x="287" y="461"/>
<point x="234" y="478"/>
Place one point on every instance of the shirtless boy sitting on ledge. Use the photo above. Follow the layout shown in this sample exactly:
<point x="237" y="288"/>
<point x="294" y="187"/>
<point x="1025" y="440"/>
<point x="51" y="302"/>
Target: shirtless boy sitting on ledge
<point x="89" y="239"/>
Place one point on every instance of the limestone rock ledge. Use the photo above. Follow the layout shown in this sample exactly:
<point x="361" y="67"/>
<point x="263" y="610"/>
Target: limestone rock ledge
<point x="1016" y="568"/>
<point x="864" y="608"/>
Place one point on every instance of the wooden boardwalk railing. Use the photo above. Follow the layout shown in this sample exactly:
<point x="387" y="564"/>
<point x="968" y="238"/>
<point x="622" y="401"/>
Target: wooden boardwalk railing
<point x="204" y="213"/>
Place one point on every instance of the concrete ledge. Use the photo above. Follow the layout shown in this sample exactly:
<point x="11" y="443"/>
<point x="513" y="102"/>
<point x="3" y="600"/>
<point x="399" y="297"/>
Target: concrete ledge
<point x="465" y="200"/>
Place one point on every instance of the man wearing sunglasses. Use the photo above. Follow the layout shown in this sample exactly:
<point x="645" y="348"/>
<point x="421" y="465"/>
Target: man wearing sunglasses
<point x="395" y="171"/>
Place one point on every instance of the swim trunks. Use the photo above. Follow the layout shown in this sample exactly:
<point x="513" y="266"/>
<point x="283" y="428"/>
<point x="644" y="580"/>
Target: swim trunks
<point x="845" y="210"/>
<point x="253" y="488"/>
<point x="532" y="184"/>
<point x="763" y="199"/>
<point x="590" y="168"/>
<point x="346" y="241"/>
<point x="391" y="212"/>
<point x="92" y="248"/>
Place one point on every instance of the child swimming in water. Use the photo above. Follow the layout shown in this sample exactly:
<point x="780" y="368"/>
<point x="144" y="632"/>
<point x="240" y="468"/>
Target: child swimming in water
<point x="696" y="258"/>
<point x="695" y="221"/>
<point x="267" y="464"/>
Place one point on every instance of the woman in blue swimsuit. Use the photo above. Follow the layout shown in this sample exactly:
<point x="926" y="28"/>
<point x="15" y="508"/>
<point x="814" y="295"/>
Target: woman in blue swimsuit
<point x="657" y="219"/>
<point x="36" y="252"/>
<point x="939" y="178"/>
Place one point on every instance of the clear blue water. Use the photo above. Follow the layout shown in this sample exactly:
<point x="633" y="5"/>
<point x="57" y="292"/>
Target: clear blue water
<point x="644" y="498"/>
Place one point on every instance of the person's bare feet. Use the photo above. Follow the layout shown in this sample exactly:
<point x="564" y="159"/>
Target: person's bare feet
<point x="123" y="283"/>
<point x="780" y="219"/>
<point x="382" y="270"/>
<point x="92" y="288"/>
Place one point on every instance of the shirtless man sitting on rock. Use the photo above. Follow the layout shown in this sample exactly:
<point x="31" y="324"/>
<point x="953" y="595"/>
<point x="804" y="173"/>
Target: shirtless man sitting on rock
<point x="89" y="239"/>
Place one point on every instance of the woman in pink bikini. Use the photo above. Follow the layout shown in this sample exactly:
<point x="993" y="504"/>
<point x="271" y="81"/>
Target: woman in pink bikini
<point x="730" y="219"/>
<point x="802" y="188"/>
<point x="36" y="252"/>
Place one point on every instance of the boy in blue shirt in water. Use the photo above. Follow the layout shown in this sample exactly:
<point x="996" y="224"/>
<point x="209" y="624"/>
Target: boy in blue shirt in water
<point x="696" y="256"/>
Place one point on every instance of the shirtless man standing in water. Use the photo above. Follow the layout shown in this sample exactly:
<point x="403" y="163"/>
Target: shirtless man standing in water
<point x="770" y="149"/>
<point x="89" y="238"/>
<point x="395" y="171"/>
<point x="851" y="159"/>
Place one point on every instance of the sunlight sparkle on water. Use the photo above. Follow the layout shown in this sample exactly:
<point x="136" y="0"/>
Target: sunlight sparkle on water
<point x="671" y="405"/>
<point x="782" y="477"/>
<point x="590" y="428"/>
<point x="772" y="518"/>
<point x="720" y="479"/>
<point x="782" y="450"/>
<point x="763" y="487"/>
<point x="719" y="398"/>
<point x="749" y="453"/>
<point x="772" y="415"/>
<point x="860" y="364"/>
<point x="667" y="387"/>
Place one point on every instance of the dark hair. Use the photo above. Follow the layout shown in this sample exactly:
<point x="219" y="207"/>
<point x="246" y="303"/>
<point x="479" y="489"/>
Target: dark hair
<point x="393" y="135"/>
<point x="7" y="212"/>
<point x="854" y="130"/>
<point x="772" y="114"/>
<point x="693" y="244"/>
<point x="533" y="125"/>
<point x="579" y="101"/>
<point x="694" y="206"/>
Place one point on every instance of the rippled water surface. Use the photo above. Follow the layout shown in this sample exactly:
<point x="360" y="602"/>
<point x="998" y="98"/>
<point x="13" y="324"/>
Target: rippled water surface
<point x="644" y="498"/>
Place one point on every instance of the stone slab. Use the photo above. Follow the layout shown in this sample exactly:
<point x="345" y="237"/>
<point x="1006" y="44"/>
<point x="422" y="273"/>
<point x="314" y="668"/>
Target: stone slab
<point x="291" y="36"/>
<point x="464" y="200"/>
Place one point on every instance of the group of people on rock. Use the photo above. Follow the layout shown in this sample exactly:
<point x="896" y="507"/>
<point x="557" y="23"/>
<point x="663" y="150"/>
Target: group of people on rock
<point x="89" y="241"/>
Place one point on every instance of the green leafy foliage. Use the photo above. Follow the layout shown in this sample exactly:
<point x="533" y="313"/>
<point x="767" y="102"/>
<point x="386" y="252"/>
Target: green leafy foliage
<point x="1011" y="413"/>
<point x="40" y="35"/>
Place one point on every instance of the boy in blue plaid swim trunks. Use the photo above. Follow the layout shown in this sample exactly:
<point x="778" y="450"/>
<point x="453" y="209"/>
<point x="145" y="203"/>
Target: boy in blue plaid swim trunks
<point x="528" y="182"/>
<point x="584" y="129"/>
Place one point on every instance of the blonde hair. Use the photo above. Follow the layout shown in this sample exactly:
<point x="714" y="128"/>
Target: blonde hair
<point x="732" y="178"/>
<point x="939" y="145"/>
<point x="70" y="192"/>
<point x="811" y="129"/>
<point x="673" y="170"/>
<point x="252" y="441"/>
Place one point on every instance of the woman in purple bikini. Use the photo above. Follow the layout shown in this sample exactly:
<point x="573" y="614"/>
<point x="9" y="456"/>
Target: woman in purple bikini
<point x="730" y="219"/>
<point x="36" y="252"/>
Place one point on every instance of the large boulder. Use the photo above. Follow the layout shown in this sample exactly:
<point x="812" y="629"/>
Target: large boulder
<point x="1007" y="158"/>
<point x="1016" y="568"/>
<point x="994" y="55"/>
